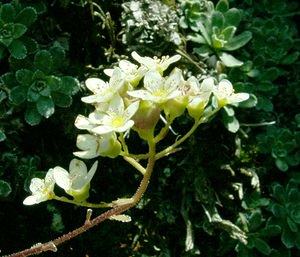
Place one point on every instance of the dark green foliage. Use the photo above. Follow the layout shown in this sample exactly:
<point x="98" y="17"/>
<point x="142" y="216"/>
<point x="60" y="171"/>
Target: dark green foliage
<point x="285" y="208"/>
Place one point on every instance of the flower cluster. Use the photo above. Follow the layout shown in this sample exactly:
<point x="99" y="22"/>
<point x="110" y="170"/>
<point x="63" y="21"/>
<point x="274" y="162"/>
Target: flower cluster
<point x="135" y="97"/>
<point x="76" y="183"/>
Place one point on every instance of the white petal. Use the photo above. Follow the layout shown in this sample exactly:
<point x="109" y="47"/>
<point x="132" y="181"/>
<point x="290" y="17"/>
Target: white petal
<point x="102" y="129"/>
<point x="131" y="110"/>
<point x="116" y="105"/>
<point x="169" y="61"/>
<point x="125" y="127"/>
<point x="77" y="168"/>
<point x="37" y="185"/>
<point x="153" y="81"/>
<point x="96" y="85"/>
<point x="89" y="154"/>
<point x="30" y="200"/>
<point x="62" y="178"/>
<point x="83" y="122"/>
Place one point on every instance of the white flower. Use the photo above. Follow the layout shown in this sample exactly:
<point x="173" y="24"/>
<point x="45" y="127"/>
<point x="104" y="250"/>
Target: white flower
<point x="42" y="189"/>
<point x="105" y="145"/>
<point x="199" y="95"/>
<point x="102" y="90"/>
<point x="131" y="73"/>
<point x="224" y="94"/>
<point x="116" y="118"/>
<point x="160" y="65"/>
<point x="159" y="89"/>
<point x="76" y="182"/>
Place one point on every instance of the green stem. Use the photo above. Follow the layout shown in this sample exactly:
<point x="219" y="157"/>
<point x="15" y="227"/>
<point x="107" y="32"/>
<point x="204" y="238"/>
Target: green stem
<point x="83" y="204"/>
<point x="173" y="148"/>
<point x="135" y="164"/>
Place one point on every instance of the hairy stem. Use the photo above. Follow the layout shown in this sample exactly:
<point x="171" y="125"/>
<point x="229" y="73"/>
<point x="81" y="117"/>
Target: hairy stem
<point x="52" y="245"/>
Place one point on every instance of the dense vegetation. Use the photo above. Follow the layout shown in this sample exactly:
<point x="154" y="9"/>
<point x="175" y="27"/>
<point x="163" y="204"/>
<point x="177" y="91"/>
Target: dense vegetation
<point x="232" y="189"/>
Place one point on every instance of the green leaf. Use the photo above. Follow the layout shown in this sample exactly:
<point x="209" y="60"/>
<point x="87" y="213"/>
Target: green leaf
<point x="271" y="74"/>
<point x="278" y="211"/>
<point x="222" y="6"/>
<point x="281" y="165"/>
<point x="262" y="246"/>
<point x="290" y="58"/>
<point x="264" y="103"/>
<point x="279" y="193"/>
<point x="32" y="116"/>
<point x="197" y="38"/>
<point x="232" y="124"/>
<point x="45" y="106"/>
<point x="217" y="20"/>
<point x="18" y="94"/>
<point x="17" y="49"/>
<point x="19" y="30"/>
<point x="33" y="93"/>
<point x="287" y="238"/>
<point x="270" y="231"/>
<point x="58" y="56"/>
<point x="229" y="32"/>
<point x="30" y="44"/>
<point x="293" y="227"/>
<point x="69" y="85"/>
<point x="7" y="13"/>
<point x="53" y="82"/>
<point x="204" y="33"/>
<point x="27" y="16"/>
<point x="7" y="34"/>
<point x="249" y="103"/>
<point x="24" y="76"/>
<point x="61" y="100"/>
<point x="238" y="41"/>
<point x="2" y="135"/>
<point x="233" y="17"/>
<point x="229" y="60"/>
<point x="5" y="188"/>
<point x="39" y="6"/>
<point x="43" y="61"/>
<point x="217" y="42"/>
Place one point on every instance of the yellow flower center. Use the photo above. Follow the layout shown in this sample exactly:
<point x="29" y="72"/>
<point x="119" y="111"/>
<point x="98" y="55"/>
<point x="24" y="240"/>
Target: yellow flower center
<point x="117" y="122"/>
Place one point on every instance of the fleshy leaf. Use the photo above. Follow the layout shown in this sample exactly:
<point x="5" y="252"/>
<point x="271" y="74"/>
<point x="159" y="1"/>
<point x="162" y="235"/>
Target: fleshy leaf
<point x="217" y="20"/>
<point x="27" y="16"/>
<point x="238" y="41"/>
<point x="233" y="17"/>
<point x="43" y="61"/>
<point x="17" y="49"/>
<point x="58" y="56"/>
<point x="24" y="76"/>
<point x="45" y="106"/>
<point x="222" y="6"/>
<point x="69" y="85"/>
<point x="7" y="13"/>
<point x="262" y="246"/>
<point x="32" y="116"/>
<point x="18" y="95"/>
<point x="61" y="100"/>
<point x="19" y="30"/>
<point x="5" y="188"/>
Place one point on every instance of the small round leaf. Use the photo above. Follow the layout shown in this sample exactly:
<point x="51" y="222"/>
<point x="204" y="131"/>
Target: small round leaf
<point x="45" y="106"/>
<point x="27" y="16"/>
<point x="17" y="49"/>
<point x="18" y="94"/>
<point x="5" y="188"/>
